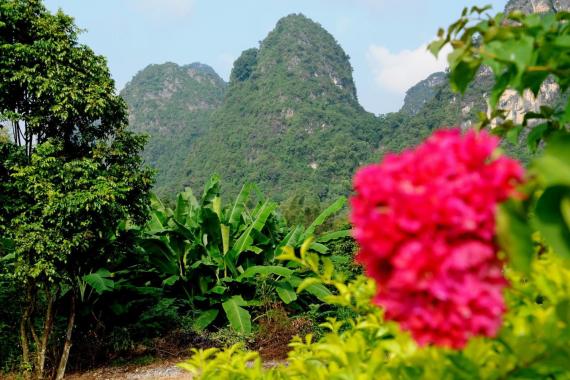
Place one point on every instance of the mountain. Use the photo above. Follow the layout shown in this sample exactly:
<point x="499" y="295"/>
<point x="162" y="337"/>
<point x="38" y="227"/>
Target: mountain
<point x="422" y="92"/>
<point x="431" y="104"/>
<point x="537" y="6"/>
<point x="172" y="104"/>
<point x="290" y="121"/>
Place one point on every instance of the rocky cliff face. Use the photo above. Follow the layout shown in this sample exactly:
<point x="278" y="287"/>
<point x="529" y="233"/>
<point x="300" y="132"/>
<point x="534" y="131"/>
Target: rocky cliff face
<point x="537" y="6"/>
<point x="515" y="104"/>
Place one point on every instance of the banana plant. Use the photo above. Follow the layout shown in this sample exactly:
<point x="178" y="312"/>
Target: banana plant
<point x="202" y="247"/>
<point x="214" y="254"/>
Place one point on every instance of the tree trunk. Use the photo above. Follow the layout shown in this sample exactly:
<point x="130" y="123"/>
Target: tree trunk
<point x="24" y="341"/>
<point x="44" y="339"/>
<point x="67" y="345"/>
<point x="24" y="322"/>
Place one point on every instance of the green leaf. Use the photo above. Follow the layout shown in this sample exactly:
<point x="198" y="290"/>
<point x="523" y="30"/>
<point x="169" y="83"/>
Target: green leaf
<point x="311" y="285"/>
<point x="292" y="239"/>
<point x="318" y="247"/>
<point x="239" y="318"/>
<point x="515" y="235"/>
<point x="170" y="280"/>
<point x="100" y="281"/>
<point x="286" y="292"/>
<point x="205" y="319"/>
<point x="462" y="75"/>
<point x="332" y="209"/>
<point x="334" y="235"/>
<point x="550" y="220"/>
<point x="553" y="168"/>
<point x="239" y="205"/>
<point x="245" y="240"/>
<point x="535" y="136"/>
<point x="265" y="270"/>
<point x="161" y="255"/>
<point x="211" y="190"/>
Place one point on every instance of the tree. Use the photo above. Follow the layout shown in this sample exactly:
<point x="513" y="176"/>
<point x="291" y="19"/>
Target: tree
<point x="71" y="174"/>
<point x="244" y="65"/>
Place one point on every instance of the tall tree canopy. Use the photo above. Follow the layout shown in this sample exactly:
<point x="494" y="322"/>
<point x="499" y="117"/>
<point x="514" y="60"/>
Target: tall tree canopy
<point x="70" y="173"/>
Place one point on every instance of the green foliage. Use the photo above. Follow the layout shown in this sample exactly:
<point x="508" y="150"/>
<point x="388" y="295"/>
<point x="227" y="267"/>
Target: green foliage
<point x="215" y="256"/>
<point x="244" y="66"/>
<point x="75" y="207"/>
<point x="70" y="174"/>
<point x="523" y="52"/>
<point x="532" y="342"/>
<point x="41" y="56"/>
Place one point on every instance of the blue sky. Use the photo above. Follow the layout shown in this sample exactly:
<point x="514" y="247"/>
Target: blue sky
<point x="384" y="38"/>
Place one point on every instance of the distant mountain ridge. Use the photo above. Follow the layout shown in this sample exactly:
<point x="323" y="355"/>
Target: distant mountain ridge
<point x="173" y="105"/>
<point x="289" y="119"/>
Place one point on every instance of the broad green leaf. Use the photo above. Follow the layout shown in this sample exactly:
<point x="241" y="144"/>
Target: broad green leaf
<point x="217" y="207"/>
<point x="245" y="240"/>
<point x="155" y="224"/>
<point x="311" y="285"/>
<point x="161" y="255"/>
<point x="318" y="247"/>
<point x="535" y="136"/>
<point x="239" y="205"/>
<point x="286" y="292"/>
<point x="334" y="235"/>
<point x="170" y="280"/>
<point x="225" y="231"/>
<point x="211" y="190"/>
<point x="205" y="319"/>
<point x="182" y="208"/>
<point x="100" y="281"/>
<point x="332" y="209"/>
<point x="515" y="235"/>
<point x="292" y="239"/>
<point x="550" y="220"/>
<point x="218" y="289"/>
<point x="553" y="167"/>
<point x="265" y="270"/>
<point x="239" y="318"/>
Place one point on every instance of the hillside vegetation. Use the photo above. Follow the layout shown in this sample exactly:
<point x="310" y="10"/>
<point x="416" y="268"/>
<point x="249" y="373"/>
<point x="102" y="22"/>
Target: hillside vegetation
<point x="173" y="105"/>
<point x="289" y="120"/>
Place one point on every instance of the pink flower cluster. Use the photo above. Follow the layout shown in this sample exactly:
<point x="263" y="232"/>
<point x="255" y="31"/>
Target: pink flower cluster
<point x="425" y="223"/>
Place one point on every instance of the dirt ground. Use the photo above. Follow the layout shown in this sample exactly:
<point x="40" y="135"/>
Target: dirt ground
<point x="160" y="370"/>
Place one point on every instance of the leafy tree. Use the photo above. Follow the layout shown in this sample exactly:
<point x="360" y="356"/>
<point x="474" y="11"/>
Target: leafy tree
<point x="244" y="65"/>
<point x="51" y="86"/>
<point x="69" y="177"/>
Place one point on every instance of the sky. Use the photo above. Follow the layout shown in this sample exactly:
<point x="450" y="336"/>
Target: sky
<point x="386" y="39"/>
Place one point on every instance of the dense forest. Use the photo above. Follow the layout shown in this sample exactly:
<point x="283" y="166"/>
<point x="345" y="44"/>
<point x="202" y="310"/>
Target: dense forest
<point x="187" y="213"/>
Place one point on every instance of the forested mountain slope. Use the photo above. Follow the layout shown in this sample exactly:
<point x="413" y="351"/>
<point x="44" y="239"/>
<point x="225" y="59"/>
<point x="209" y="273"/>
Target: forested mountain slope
<point x="173" y="105"/>
<point x="291" y="120"/>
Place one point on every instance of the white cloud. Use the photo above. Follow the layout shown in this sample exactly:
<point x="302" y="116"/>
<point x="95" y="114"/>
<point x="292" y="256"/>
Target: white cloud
<point x="398" y="71"/>
<point x="165" y="8"/>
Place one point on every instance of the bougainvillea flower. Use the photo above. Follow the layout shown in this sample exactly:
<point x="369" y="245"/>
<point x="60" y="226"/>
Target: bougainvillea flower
<point x="425" y="224"/>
